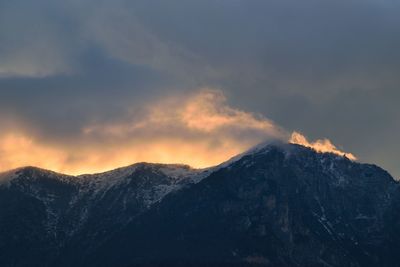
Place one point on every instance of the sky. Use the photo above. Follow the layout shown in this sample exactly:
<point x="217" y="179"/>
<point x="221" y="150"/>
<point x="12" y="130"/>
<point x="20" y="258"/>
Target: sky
<point x="88" y="86"/>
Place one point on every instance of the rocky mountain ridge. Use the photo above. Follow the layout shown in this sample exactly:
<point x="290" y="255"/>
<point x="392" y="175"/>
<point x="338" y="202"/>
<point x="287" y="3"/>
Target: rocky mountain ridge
<point x="275" y="205"/>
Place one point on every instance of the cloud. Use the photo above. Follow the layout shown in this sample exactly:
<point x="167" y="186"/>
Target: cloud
<point x="320" y="145"/>
<point x="34" y="43"/>
<point x="118" y="31"/>
<point x="73" y="64"/>
<point x="202" y="113"/>
<point x="199" y="129"/>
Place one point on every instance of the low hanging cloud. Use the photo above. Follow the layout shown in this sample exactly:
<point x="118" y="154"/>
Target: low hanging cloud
<point x="320" y="145"/>
<point x="200" y="129"/>
<point x="205" y="113"/>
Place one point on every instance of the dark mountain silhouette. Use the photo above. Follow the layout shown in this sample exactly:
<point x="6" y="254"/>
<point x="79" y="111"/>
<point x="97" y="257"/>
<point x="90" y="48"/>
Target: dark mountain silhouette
<point x="277" y="205"/>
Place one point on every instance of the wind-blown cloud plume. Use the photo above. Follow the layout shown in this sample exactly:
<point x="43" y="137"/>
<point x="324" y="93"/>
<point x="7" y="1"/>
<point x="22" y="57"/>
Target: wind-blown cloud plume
<point x="204" y="113"/>
<point x="200" y="129"/>
<point x="320" y="145"/>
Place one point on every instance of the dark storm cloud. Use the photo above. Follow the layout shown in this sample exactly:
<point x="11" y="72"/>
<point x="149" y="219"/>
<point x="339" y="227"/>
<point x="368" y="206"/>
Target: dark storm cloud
<point x="64" y="103"/>
<point x="327" y="68"/>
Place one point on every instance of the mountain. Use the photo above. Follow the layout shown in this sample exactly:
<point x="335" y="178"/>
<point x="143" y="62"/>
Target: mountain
<point x="42" y="212"/>
<point x="276" y="205"/>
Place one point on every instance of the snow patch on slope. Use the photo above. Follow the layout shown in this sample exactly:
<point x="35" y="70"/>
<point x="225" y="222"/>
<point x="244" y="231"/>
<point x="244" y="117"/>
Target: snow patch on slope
<point x="175" y="176"/>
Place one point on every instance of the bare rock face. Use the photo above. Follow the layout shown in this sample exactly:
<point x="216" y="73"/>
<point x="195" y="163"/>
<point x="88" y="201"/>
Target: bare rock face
<point x="278" y="205"/>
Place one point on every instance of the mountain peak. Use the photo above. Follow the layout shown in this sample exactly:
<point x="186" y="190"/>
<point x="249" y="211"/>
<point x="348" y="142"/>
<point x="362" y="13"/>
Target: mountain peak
<point x="273" y="199"/>
<point x="289" y="149"/>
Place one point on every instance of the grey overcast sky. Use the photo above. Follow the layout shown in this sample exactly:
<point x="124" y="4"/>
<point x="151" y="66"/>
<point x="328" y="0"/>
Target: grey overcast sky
<point x="78" y="78"/>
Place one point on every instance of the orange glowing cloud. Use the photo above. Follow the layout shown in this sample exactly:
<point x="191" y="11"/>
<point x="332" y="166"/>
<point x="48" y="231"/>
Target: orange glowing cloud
<point x="200" y="130"/>
<point x="320" y="145"/>
<point x="209" y="112"/>
<point x="203" y="114"/>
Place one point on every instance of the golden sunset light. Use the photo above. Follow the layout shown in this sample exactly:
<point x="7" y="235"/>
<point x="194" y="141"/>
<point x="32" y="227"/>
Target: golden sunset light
<point x="199" y="133"/>
<point x="200" y="130"/>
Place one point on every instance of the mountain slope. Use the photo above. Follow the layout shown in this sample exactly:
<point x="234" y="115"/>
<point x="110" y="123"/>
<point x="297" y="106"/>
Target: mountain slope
<point x="277" y="205"/>
<point x="281" y="206"/>
<point x="43" y="212"/>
